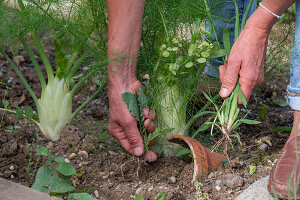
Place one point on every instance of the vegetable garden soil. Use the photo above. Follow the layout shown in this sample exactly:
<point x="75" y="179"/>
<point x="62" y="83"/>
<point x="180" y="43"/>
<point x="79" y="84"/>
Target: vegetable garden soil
<point x="110" y="173"/>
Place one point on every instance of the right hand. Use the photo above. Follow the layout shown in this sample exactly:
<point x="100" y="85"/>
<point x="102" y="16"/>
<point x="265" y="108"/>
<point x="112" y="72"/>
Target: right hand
<point x="246" y="62"/>
<point x="123" y="126"/>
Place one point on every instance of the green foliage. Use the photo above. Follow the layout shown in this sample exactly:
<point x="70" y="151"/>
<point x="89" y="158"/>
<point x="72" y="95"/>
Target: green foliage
<point x="79" y="196"/>
<point x="56" y="180"/>
<point x="160" y="196"/>
<point x="199" y="194"/>
<point x="263" y="112"/>
<point x="132" y="103"/>
<point x="183" y="152"/>
<point x="278" y="129"/>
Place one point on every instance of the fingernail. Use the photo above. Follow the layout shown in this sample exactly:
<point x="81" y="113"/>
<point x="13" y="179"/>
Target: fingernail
<point x="224" y="92"/>
<point x="138" y="151"/>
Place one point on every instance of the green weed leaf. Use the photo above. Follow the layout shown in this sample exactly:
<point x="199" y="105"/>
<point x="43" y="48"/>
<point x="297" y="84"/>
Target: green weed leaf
<point x="280" y="102"/>
<point x="19" y="112"/>
<point x="59" y="159"/>
<point x="282" y="129"/>
<point x="156" y="134"/>
<point x="48" y="180"/>
<point x="43" y="151"/>
<point x="183" y="152"/>
<point x="217" y="54"/>
<point x="132" y="103"/>
<point x="66" y="169"/>
<point x="252" y="169"/>
<point x="242" y="97"/>
<point x="78" y="196"/>
<point x="29" y="112"/>
<point x="263" y="112"/>
<point x="161" y="196"/>
<point x="189" y="64"/>
<point x="248" y="121"/>
<point x="142" y="99"/>
<point x="139" y="197"/>
<point x="226" y="41"/>
<point x="5" y="103"/>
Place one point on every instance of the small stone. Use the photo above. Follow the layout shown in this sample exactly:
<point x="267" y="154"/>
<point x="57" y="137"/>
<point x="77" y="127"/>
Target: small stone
<point x="233" y="181"/>
<point x="67" y="160"/>
<point x="83" y="154"/>
<point x="12" y="176"/>
<point x="138" y="190"/>
<point x="135" y="185"/>
<point x="218" y="188"/>
<point x="110" y="185"/>
<point x="211" y="175"/>
<point x="12" y="168"/>
<point x="72" y="156"/>
<point x="96" y="194"/>
<point x="50" y="144"/>
<point x="219" y="182"/>
<point x="263" y="147"/>
<point x="172" y="179"/>
<point x="113" y="153"/>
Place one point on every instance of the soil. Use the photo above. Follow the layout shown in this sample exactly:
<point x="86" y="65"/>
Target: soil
<point x="110" y="173"/>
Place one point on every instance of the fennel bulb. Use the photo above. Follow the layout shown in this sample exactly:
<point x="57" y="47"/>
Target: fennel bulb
<point x="54" y="108"/>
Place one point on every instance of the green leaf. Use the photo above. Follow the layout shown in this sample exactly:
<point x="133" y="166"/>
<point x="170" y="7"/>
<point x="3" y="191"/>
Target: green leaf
<point x="5" y="103"/>
<point x="237" y="22"/>
<point x="248" y="121"/>
<point x="189" y="64"/>
<point x="226" y="41"/>
<point x="142" y="99"/>
<point x="132" y="103"/>
<point x="237" y="136"/>
<point x="59" y="159"/>
<point x="139" y="197"/>
<point x="161" y="196"/>
<point x="43" y="151"/>
<point x="28" y="112"/>
<point x="263" y="112"/>
<point x="280" y="102"/>
<point x="242" y="97"/>
<point x="217" y="54"/>
<point x="61" y="60"/>
<point x="205" y="54"/>
<point x="66" y="169"/>
<point x="166" y="54"/>
<point x="252" y="169"/>
<point x="183" y="152"/>
<point x="80" y="196"/>
<point x="156" y="134"/>
<point x="287" y="129"/>
<point x="48" y="180"/>
<point x="19" y="112"/>
<point x="201" y="60"/>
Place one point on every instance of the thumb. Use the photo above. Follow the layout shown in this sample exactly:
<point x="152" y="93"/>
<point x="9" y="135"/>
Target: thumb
<point x="135" y="139"/>
<point x="229" y="76"/>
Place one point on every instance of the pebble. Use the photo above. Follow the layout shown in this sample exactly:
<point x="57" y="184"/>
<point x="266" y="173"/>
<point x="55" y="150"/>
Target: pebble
<point x="263" y="147"/>
<point x="72" y="155"/>
<point x="138" y="190"/>
<point x="211" y="175"/>
<point x="96" y="193"/>
<point x="172" y="179"/>
<point x="12" y="168"/>
<point x="83" y="154"/>
<point x="12" y="176"/>
<point x="218" y="188"/>
<point x="219" y="182"/>
<point x="113" y="153"/>
<point x="50" y="144"/>
<point x="67" y="160"/>
<point x="110" y="185"/>
<point x="233" y="181"/>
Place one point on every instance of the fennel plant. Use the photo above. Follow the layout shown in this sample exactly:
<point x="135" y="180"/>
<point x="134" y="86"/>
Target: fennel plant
<point x="25" y="23"/>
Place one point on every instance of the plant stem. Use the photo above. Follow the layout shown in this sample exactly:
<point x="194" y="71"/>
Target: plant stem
<point x="82" y="80"/>
<point x="44" y="57"/>
<point x="21" y="77"/>
<point x="88" y="101"/>
<point x="76" y="66"/>
<point x="34" y="61"/>
<point x="12" y="111"/>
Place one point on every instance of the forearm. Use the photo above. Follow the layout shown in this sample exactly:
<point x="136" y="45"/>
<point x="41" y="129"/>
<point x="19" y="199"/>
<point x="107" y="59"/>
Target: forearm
<point x="124" y="36"/>
<point x="262" y="19"/>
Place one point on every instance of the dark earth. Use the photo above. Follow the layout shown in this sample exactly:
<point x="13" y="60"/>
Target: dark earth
<point x="108" y="172"/>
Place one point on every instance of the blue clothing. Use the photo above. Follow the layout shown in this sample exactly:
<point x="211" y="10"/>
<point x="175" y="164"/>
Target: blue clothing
<point x="293" y="97"/>
<point x="223" y="14"/>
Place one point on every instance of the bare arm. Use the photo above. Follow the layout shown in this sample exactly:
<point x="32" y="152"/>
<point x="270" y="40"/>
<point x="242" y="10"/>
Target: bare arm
<point x="124" y="37"/>
<point x="247" y="56"/>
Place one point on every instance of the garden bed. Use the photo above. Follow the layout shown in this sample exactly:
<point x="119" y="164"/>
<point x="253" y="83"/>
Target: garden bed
<point x="110" y="173"/>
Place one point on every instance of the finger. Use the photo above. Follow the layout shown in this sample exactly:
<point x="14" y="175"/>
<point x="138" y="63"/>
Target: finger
<point x="149" y="125"/>
<point x="134" y="138"/>
<point x="150" y="156"/>
<point x="222" y="70"/>
<point x="149" y="113"/>
<point x="230" y="77"/>
<point x="246" y="87"/>
<point x="119" y="134"/>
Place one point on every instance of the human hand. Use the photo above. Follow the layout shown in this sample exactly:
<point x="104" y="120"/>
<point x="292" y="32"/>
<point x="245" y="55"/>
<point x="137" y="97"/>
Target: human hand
<point x="123" y="126"/>
<point x="245" y="62"/>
